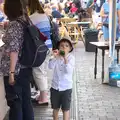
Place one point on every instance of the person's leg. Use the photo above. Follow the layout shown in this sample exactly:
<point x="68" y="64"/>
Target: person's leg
<point x="66" y="102"/>
<point x="55" y="114"/>
<point x="24" y="80"/>
<point x="106" y="37"/>
<point x="106" y="33"/>
<point x="55" y="102"/>
<point x="14" y="101"/>
<point x="43" y="97"/>
<point x="66" y="115"/>
<point x="40" y="77"/>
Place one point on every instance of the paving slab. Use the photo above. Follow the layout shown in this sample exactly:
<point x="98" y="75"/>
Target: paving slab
<point x="91" y="100"/>
<point x="96" y="101"/>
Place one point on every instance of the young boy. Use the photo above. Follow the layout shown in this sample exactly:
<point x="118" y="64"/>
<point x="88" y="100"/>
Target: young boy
<point x="61" y="90"/>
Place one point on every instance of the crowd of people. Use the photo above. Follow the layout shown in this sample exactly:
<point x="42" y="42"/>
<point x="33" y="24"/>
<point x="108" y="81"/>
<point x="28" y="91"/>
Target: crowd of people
<point x="21" y="81"/>
<point x="104" y="13"/>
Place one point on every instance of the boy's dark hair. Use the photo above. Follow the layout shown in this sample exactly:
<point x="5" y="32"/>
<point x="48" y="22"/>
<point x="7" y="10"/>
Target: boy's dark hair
<point x="66" y="40"/>
<point x="13" y="9"/>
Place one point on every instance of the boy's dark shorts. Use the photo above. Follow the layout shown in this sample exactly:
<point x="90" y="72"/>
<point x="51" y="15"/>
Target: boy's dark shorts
<point x="60" y="99"/>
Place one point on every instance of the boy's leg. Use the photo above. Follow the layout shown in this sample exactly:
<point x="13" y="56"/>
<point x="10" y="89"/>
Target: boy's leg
<point x="55" y="114"/>
<point x="66" y="102"/>
<point x="55" y="102"/>
<point x="66" y="114"/>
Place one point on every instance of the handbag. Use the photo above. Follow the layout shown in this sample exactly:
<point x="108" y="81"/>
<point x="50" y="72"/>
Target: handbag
<point x="106" y="24"/>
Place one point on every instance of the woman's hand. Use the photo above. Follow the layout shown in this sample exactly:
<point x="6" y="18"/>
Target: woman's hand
<point x="11" y="79"/>
<point x="4" y="24"/>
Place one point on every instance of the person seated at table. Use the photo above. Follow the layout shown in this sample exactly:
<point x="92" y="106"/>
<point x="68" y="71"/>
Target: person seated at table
<point x="82" y="14"/>
<point x="47" y="9"/>
<point x="66" y="8"/>
<point x="73" y="9"/>
<point x="61" y="9"/>
<point x="63" y="31"/>
<point x="55" y="12"/>
<point x="77" y="3"/>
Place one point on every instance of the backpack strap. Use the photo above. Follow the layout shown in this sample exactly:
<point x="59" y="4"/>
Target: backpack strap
<point x="25" y="13"/>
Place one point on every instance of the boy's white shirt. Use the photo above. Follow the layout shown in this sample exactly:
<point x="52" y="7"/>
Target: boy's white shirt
<point x="62" y="74"/>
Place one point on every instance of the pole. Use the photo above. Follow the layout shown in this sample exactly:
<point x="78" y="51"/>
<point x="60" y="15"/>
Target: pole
<point x="112" y="28"/>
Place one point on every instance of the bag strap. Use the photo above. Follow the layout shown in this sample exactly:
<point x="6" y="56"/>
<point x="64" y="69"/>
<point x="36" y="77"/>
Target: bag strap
<point x="51" y="25"/>
<point x="105" y="19"/>
<point x="23" y="23"/>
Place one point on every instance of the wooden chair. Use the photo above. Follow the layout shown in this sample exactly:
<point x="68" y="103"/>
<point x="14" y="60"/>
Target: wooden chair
<point x="74" y="31"/>
<point x="67" y="20"/>
<point x="86" y="20"/>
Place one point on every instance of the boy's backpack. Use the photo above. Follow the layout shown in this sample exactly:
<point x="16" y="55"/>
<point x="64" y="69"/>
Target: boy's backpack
<point x="34" y="50"/>
<point x="54" y="34"/>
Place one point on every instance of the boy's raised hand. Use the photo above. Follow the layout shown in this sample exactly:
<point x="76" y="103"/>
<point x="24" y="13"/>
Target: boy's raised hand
<point x="56" y="53"/>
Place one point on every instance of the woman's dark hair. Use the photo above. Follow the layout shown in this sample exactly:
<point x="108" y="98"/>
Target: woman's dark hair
<point x="13" y="9"/>
<point x="34" y="6"/>
<point x="67" y="41"/>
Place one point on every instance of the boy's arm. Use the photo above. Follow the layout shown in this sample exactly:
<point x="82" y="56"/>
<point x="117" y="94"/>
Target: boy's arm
<point x="52" y="63"/>
<point x="69" y="65"/>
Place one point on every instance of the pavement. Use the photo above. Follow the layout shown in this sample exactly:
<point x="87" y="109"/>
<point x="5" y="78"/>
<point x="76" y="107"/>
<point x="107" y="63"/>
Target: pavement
<point x="96" y="101"/>
<point x="91" y="100"/>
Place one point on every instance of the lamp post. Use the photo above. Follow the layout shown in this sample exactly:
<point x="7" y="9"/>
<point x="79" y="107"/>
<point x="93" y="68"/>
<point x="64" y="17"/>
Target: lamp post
<point x="112" y="28"/>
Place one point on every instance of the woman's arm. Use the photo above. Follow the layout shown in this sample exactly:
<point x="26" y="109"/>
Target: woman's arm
<point x="102" y="14"/>
<point x="13" y="61"/>
<point x="91" y="5"/>
<point x="15" y="35"/>
<point x="118" y="13"/>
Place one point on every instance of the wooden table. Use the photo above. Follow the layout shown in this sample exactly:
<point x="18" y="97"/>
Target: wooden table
<point x="78" y="28"/>
<point x="79" y="23"/>
<point x="66" y="20"/>
<point x="103" y="46"/>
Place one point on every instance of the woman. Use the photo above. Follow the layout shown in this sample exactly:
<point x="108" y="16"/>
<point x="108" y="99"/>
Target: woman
<point x="74" y="9"/>
<point x="47" y="9"/>
<point x="55" y="12"/>
<point x="43" y="24"/>
<point x="118" y="1"/>
<point x="63" y="31"/>
<point x="16" y="77"/>
<point x="60" y="9"/>
<point x="66" y="9"/>
<point x="98" y="5"/>
<point x="105" y="17"/>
